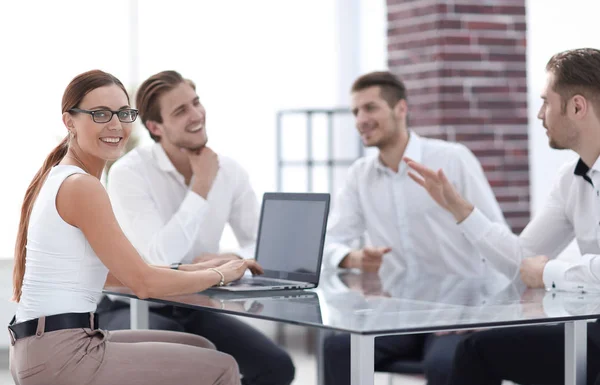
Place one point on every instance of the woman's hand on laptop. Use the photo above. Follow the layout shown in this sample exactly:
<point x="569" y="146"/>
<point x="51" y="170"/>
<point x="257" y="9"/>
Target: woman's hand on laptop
<point x="251" y="264"/>
<point x="233" y="270"/>
<point x="254" y="267"/>
<point x="208" y="264"/>
<point x="210" y="257"/>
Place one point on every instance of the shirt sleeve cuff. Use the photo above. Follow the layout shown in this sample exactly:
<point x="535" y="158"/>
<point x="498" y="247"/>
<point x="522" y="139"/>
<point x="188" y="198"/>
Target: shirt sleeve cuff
<point x="336" y="255"/>
<point x="475" y="226"/>
<point x="554" y="274"/>
<point x="193" y="202"/>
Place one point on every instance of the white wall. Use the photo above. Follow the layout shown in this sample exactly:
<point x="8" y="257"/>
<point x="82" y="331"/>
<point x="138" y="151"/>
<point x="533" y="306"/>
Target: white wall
<point x="44" y="45"/>
<point x="7" y="308"/>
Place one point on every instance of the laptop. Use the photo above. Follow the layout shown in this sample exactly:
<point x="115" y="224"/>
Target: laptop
<point x="289" y="246"/>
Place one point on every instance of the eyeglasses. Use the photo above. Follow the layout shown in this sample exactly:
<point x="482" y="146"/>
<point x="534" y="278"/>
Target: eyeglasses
<point x="128" y="115"/>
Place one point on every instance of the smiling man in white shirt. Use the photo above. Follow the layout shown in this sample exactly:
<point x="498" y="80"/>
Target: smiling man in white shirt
<point x="173" y="200"/>
<point x="406" y="229"/>
<point x="535" y="355"/>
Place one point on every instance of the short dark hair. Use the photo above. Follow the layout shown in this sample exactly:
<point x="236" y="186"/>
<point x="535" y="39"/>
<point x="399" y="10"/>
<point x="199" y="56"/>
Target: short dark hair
<point x="577" y="72"/>
<point x="392" y="89"/>
<point x="151" y="89"/>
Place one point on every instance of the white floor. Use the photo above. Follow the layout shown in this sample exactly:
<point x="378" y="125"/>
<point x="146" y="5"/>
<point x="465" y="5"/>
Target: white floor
<point x="5" y="378"/>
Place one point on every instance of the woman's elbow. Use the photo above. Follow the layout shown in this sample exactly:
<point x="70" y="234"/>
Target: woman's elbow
<point x="141" y="293"/>
<point x="142" y="287"/>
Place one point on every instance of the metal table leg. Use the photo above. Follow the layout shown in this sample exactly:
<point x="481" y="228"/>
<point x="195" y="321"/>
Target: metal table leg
<point x="362" y="362"/>
<point x="138" y="314"/>
<point x="575" y="352"/>
<point x="321" y="336"/>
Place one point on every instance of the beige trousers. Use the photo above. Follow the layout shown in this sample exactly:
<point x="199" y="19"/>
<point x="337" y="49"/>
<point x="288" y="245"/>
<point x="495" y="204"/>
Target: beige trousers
<point x="98" y="357"/>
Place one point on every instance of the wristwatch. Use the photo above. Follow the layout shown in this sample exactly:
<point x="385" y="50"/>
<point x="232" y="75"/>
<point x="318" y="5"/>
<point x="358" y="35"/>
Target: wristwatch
<point x="175" y="265"/>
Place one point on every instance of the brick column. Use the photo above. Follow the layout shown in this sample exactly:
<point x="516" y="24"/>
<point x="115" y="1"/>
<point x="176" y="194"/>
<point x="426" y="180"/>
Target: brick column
<point x="465" y="69"/>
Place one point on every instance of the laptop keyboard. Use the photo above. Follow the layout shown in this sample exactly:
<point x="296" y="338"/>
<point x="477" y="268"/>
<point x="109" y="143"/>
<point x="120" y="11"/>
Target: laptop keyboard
<point x="248" y="283"/>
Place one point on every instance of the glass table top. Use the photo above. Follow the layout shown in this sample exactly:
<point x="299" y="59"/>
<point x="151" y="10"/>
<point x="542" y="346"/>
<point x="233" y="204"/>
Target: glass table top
<point x="369" y="303"/>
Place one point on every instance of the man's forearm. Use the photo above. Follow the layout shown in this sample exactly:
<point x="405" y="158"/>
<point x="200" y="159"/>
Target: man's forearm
<point x="461" y="210"/>
<point x="201" y="188"/>
<point x="172" y="241"/>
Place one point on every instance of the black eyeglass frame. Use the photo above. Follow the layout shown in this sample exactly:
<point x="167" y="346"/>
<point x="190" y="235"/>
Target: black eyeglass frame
<point x="113" y="113"/>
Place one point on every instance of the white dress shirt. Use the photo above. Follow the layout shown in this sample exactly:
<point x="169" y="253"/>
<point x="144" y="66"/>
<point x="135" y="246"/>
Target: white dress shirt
<point x="166" y="221"/>
<point x="571" y="211"/>
<point x="394" y="211"/>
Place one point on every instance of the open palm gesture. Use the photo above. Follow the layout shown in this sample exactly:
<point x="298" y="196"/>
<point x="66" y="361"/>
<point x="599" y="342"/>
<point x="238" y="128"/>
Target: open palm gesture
<point x="440" y="189"/>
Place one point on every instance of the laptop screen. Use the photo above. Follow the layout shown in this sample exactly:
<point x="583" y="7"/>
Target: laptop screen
<point x="292" y="234"/>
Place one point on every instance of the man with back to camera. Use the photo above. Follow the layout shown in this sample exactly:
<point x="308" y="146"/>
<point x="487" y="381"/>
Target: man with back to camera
<point x="406" y="229"/>
<point x="570" y="113"/>
<point x="172" y="200"/>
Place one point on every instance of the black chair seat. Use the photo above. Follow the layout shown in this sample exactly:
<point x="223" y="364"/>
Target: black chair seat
<point x="403" y="367"/>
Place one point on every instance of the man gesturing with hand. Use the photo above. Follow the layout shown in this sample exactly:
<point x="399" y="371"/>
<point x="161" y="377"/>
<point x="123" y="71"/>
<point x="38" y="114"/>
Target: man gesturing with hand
<point x="570" y="115"/>
<point x="173" y="200"/>
<point x="366" y="259"/>
<point x="402" y="228"/>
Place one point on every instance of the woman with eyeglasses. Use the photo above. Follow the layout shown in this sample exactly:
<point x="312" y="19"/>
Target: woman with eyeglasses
<point x="69" y="246"/>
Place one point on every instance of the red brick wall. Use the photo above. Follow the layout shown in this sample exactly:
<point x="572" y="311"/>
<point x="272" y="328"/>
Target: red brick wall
<point x="464" y="66"/>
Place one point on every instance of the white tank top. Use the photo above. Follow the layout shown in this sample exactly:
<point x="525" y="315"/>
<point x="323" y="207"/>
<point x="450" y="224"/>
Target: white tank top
<point x="62" y="272"/>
